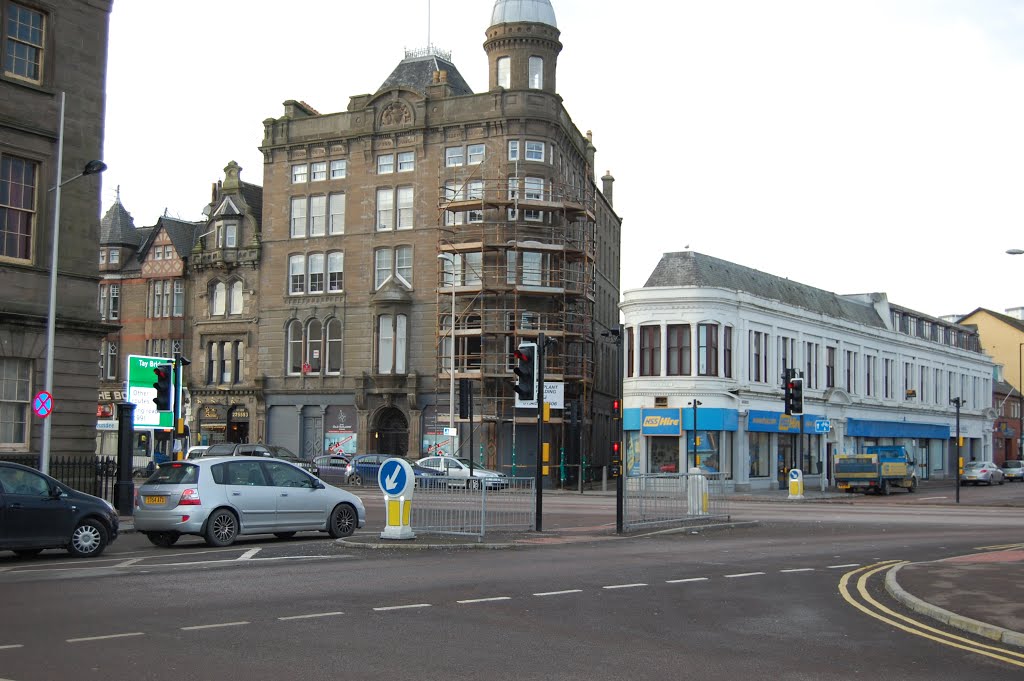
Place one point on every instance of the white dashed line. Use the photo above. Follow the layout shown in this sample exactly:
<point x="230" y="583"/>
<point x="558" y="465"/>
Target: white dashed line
<point x="798" y="570"/>
<point x="623" y="586"/>
<point x="688" y="579"/>
<point x="559" y="593"/>
<point x="103" y="638"/>
<point x="126" y="563"/>
<point x="214" y="626"/>
<point x="310" y="616"/>
<point x="743" y="574"/>
<point x="249" y="554"/>
<point x="8" y="647"/>
<point x="402" y="607"/>
<point x="485" y="600"/>
<point x="836" y="567"/>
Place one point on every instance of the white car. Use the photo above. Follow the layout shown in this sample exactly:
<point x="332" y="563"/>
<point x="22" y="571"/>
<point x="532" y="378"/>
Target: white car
<point x="459" y="468"/>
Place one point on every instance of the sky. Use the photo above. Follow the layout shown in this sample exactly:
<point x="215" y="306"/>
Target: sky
<point x="854" y="146"/>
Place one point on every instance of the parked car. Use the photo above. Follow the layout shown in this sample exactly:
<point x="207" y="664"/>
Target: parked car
<point x="362" y="469"/>
<point x="38" y="512"/>
<point x="1013" y="470"/>
<point x="459" y="468"/>
<point x="196" y="451"/>
<point x="219" y="499"/>
<point x="977" y="472"/>
<point x="246" y="449"/>
<point x="331" y="468"/>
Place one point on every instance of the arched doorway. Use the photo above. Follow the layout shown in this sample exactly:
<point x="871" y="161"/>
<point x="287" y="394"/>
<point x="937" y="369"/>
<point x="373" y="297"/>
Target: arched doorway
<point x="391" y="432"/>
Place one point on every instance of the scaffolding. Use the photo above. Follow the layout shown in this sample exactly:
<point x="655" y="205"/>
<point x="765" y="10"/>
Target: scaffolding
<point x="516" y="258"/>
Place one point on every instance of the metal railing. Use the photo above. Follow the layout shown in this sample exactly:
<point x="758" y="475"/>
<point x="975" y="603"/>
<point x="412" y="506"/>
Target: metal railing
<point x="473" y="507"/>
<point x="673" y="499"/>
<point x="96" y="475"/>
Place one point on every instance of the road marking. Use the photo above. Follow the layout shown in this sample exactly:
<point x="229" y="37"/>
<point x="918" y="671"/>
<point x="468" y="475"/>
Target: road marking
<point x="623" y="586"/>
<point x="103" y="638"/>
<point x="837" y="567"/>
<point x="249" y="554"/>
<point x="310" y="616"/>
<point x="744" y="574"/>
<point x="929" y="498"/>
<point x="214" y="626"/>
<point x="126" y="563"/>
<point x="798" y="570"/>
<point x="402" y="607"/>
<point x="998" y="547"/>
<point x="486" y="600"/>
<point x="949" y="640"/>
<point x="688" y="579"/>
<point x="8" y="647"/>
<point x="559" y="593"/>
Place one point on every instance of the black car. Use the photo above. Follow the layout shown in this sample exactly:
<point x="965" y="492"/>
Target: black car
<point x="246" y="449"/>
<point x="38" y="512"/>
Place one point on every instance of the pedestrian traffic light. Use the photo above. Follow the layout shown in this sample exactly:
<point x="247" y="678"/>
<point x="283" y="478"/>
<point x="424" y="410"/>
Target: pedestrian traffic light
<point x="616" y="409"/>
<point x="526" y="370"/>
<point x="796" y="396"/>
<point x="164" y="399"/>
<point x="616" y="452"/>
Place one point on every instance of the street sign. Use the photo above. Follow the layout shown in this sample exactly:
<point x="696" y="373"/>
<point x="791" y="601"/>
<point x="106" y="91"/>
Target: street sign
<point x="395" y="477"/>
<point x="554" y="395"/>
<point x="822" y="426"/>
<point x="141" y="392"/>
<point x="42" y="405"/>
<point x="450" y="431"/>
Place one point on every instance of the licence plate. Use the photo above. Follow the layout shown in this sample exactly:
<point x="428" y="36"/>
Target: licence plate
<point x="155" y="500"/>
<point x="843" y="485"/>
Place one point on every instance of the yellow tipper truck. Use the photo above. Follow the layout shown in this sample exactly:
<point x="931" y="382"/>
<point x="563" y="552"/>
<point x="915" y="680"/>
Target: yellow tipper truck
<point x="878" y="469"/>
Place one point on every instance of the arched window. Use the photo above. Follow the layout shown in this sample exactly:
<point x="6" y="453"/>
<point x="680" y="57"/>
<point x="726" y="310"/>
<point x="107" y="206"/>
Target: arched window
<point x="314" y="344"/>
<point x="219" y="299"/>
<point x="334" y="346"/>
<point x="236" y="298"/>
<point x="295" y="347"/>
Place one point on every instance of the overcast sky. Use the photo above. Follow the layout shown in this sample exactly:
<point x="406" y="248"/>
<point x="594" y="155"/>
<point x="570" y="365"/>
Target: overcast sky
<point x="854" y="146"/>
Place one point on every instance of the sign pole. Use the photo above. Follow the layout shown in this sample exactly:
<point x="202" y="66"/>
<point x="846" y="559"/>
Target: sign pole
<point x="538" y="476"/>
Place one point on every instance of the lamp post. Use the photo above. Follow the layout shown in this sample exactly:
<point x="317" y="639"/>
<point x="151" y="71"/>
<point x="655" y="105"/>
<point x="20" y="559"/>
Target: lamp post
<point x="91" y="168"/>
<point x="696" y="460"/>
<point x="957" y="402"/>
<point x="451" y="355"/>
<point x="1020" y="381"/>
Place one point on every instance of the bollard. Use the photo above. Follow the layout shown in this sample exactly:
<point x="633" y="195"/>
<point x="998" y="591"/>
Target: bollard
<point x="796" y="484"/>
<point x="697" y="493"/>
<point x="396" y="480"/>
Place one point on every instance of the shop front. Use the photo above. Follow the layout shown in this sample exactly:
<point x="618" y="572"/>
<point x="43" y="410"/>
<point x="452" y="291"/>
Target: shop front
<point x="775" y="446"/>
<point x="925" y="442"/>
<point x="672" y="440"/>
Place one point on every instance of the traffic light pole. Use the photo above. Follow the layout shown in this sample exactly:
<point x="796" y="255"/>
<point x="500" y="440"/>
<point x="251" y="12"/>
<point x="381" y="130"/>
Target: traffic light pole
<point x="539" y="396"/>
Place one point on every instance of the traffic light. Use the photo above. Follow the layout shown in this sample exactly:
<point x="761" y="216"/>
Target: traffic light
<point x="616" y="452"/>
<point x="787" y="395"/>
<point x="465" y="395"/>
<point x="616" y="409"/>
<point x="796" y="396"/>
<point x="526" y="370"/>
<point x="164" y="399"/>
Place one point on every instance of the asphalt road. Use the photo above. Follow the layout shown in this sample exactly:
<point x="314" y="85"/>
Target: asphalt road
<point x="789" y="598"/>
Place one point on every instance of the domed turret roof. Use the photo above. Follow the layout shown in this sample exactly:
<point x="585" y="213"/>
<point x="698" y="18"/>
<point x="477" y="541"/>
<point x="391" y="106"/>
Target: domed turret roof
<point x="513" y="11"/>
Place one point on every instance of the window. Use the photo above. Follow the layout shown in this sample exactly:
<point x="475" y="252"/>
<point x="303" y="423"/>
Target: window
<point x="230" y="235"/>
<point x="513" y="150"/>
<point x="295" y="347"/>
<point x="629" y="352"/>
<point x="158" y="253"/>
<point x="391" y="343"/>
<point x="115" y="256"/>
<point x="870" y="373"/>
<point x="405" y="207"/>
<point x="236" y="297"/>
<point x="314" y="343"/>
<point x="534" y="151"/>
<point x="299" y="173"/>
<point x="406" y="161"/>
<point x="317" y="215"/>
<point x="17" y="206"/>
<point x="475" y="153"/>
<point x="23" y="56"/>
<point x="830" y="367"/>
<point x="219" y="298"/>
<point x="298" y="220"/>
<point x="316" y="272"/>
<point x="111" y="360"/>
<point x="297" y="274"/>
<point x="758" y="357"/>
<point x="453" y="156"/>
<point x="319" y="171"/>
<point x="536" y="81"/>
<point x="475" y="191"/>
<point x="155" y="299"/>
<point x="707" y="349"/>
<point x="103" y="256"/>
<point x="678" y="336"/>
<point x="337" y="214"/>
<point x="115" y="301"/>
<point x="168" y="252"/>
<point x="239" y="356"/>
<point x="179" y="298"/>
<point x="504" y="72"/>
<point x="650" y="350"/>
<point x="533" y="190"/>
<point x="727" y="352"/>
<point x="15" y="391"/>
<point x="811" y="359"/>
<point x="851" y="370"/>
<point x="339" y="169"/>
<point x="225" y="362"/>
<point x="385" y="209"/>
<point x="393" y="262"/>
<point x="333" y="347"/>
<point x="102" y="303"/>
<point x="385" y="164"/>
<point x="887" y="378"/>
<point x="335" y="271"/>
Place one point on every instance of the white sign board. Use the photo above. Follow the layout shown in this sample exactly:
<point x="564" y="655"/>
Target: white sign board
<point x="554" y="394"/>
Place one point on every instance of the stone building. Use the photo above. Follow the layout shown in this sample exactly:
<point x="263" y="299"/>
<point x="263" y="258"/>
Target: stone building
<point x="52" y="52"/>
<point x="428" y="224"/>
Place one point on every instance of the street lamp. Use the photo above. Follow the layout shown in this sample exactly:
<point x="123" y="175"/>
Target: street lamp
<point x="696" y="456"/>
<point x="91" y="168"/>
<point x="451" y="355"/>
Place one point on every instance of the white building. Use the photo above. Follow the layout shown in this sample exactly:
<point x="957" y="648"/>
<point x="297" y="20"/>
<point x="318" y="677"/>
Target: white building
<point x="719" y="335"/>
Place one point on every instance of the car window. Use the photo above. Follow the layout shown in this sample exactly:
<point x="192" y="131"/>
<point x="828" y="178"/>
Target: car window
<point x="245" y="473"/>
<point x="283" y="475"/>
<point x="1013" y="464"/>
<point x="220" y="450"/>
<point x="17" y="481"/>
<point x="175" y="473"/>
<point x="219" y="473"/>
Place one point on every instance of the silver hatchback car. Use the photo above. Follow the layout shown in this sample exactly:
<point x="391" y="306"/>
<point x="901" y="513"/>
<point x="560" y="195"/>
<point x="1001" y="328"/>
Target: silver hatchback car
<point x="223" y="497"/>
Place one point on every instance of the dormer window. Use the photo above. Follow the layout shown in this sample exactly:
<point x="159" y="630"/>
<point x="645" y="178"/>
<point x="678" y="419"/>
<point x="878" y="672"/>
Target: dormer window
<point x="227" y="235"/>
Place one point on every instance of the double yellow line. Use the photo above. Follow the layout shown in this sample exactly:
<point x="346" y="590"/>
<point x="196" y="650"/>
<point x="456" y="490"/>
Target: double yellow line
<point x="912" y="626"/>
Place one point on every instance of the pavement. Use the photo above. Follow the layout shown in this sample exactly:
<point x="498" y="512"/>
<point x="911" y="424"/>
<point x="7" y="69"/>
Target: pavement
<point x="981" y="593"/>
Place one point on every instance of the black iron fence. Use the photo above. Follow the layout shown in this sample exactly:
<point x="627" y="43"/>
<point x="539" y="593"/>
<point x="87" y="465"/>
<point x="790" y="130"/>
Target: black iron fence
<point x="92" y="475"/>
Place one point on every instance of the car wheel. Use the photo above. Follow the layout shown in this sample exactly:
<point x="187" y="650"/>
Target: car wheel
<point x="342" y="522"/>
<point x="164" y="540"/>
<point x="27" y="553"/>
<point x="221" y="528"/>
<point x="913" y="485"/>
<point x="355" y="479"/>
<point x="884" y="489"/>
<point x="284" y="535"/>
<point x="88" y="539"/>
<point x="472" y="484"/>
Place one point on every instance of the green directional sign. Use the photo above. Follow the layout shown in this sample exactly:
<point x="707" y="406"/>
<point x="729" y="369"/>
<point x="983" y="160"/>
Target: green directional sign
<point x="141" y="392"/>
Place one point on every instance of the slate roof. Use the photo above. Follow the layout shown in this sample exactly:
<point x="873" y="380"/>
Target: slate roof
<point x="181" y="233"/>
<point x="253" y="196"/>
<point x="689" y="268"/>
<point x="117" y="228"/>
<point x="416" y="73"/>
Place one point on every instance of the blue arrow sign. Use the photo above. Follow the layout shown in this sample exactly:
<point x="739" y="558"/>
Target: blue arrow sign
<point x="392" y="477"/>
<point x="822" y="426"/>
